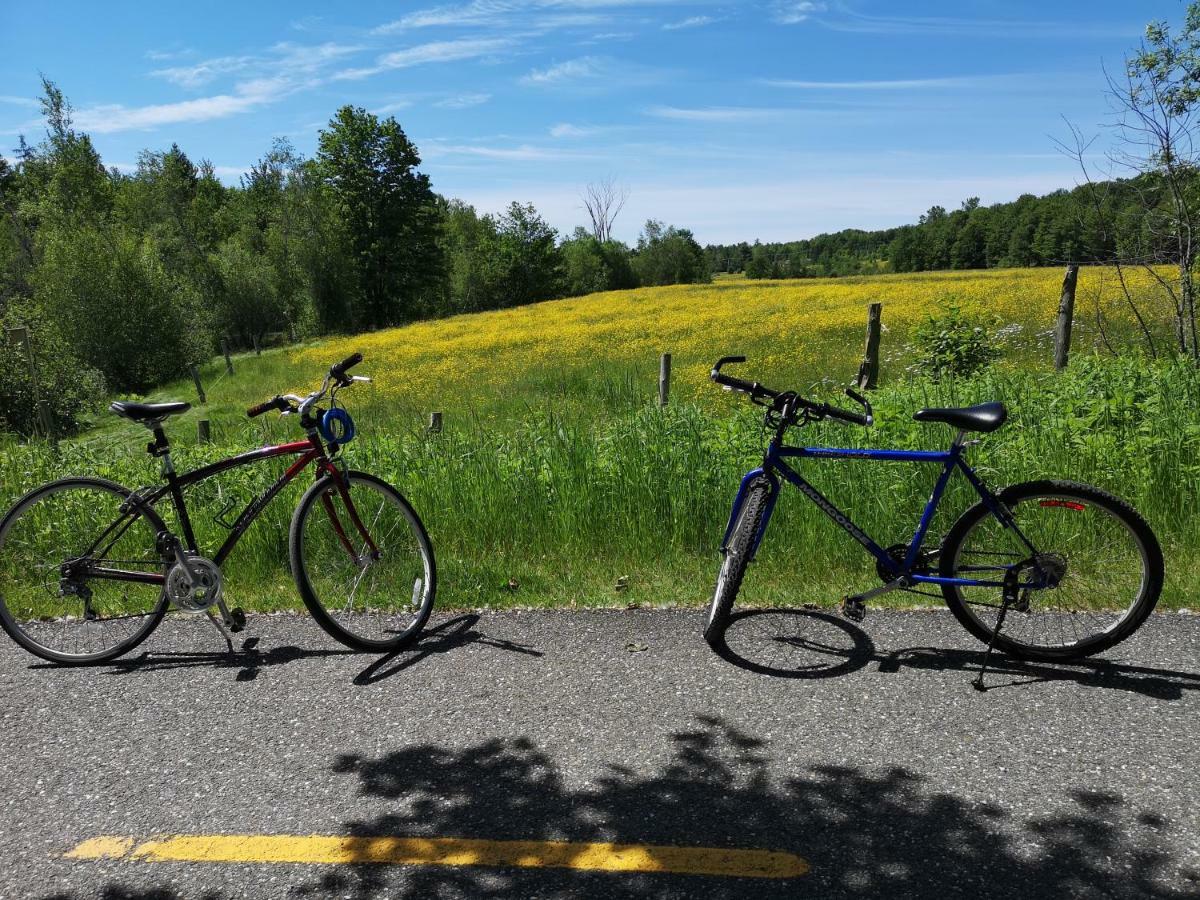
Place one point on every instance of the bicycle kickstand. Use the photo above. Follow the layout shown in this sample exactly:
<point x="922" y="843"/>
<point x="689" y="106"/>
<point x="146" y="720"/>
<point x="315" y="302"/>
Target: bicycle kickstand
<point x="221" y="628"/>
<point x="1010" y="592"/>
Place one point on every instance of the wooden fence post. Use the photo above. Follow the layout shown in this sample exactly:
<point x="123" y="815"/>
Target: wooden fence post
<point x="664" y="379"/>
<point x="1066" y="317"/>
<point x="868" y="372"/>
<point x="20" y="337"/>
<point x="225" y="353"/>
<point x="199" y="386"/>
<point x="203" y="431"/>
<point x="435" y="422"/>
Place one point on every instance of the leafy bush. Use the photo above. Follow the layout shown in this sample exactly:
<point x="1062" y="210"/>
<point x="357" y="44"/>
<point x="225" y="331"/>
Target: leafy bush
<point x="953" y="343"/>
<point x="68" y="386"/>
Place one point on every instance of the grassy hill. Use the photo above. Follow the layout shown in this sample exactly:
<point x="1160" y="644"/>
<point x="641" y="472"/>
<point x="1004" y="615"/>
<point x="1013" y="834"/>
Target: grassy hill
<point x="557" y="475"/>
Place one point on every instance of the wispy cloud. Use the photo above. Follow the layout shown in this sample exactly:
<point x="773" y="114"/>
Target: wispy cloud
<point x="202" y="73"/>
<point x="567" y="130"/>
<point x="18" y="101"/>
<point x="432" y="52"/>
<point x="520" y="153"/>
<point x="282" y="59"/>
<point x="393" y="106"/>
<point x="463" y="101"/>
<point x="714" y="113"/>
<point x="790" y="12"/>
<point x="843" y="17"/>
<point x="585" y="67"/>
<point x="689" y="22"/>
<point x="899" y="84"/>
<point x="250" y="95"/>
<point x="570" y="13"/>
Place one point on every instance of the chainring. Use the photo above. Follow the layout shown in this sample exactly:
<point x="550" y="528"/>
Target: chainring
<point x="899" y="553"/>
<point x="205" y="585"/>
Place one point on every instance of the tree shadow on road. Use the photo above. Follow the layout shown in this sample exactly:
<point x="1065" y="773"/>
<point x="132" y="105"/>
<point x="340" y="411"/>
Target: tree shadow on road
<point x="865" y="833"/>
<point x="809" y="644"/>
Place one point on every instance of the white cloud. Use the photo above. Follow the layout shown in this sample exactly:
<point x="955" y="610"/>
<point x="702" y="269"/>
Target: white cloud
<point x="521" y="153"/>
<point x="714" y="113"/>
<point x="394" y="106"/>
<point x="899" y="84"/>
<point x="689" y="22"/>
<point x="432" y="52"/>
<point x="19" y="101"/>
<point x="113" y="117"/>
<point x="567" y="130"/>
<point x="202" y="73"/>
<point x="282" y="59"/>
<point x="585" y="67"/>
<point x="789" y="12"/>
<point x="463" y="101"/>
<point x="500" y="12"/>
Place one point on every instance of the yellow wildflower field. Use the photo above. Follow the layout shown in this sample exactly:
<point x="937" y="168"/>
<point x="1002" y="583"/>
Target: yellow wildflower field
<point x="795" y="333"/>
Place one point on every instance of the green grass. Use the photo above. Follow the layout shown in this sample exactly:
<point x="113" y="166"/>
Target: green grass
<point x="552" y="511"/>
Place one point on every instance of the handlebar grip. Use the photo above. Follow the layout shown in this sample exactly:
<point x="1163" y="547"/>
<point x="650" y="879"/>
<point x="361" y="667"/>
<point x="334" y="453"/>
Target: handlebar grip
<point x="256" y="411"/>
<point x="738" y="384"/>
<point x="846" y="415"/>
<point x="339" y="370"/>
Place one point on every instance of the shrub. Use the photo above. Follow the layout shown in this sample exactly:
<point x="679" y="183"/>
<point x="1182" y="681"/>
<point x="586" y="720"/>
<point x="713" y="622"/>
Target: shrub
<point x="953" y="343"/>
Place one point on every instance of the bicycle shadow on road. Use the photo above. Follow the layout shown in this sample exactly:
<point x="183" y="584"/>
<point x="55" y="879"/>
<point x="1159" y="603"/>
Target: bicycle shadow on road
<point x="807" y="644"/>
<point x="442" y="638"/>
<point x="249" y="660"/>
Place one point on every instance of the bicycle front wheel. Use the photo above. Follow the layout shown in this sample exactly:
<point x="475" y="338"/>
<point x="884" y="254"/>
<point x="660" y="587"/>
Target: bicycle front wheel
<point x="736" y="558"/>
<point x="1101" y="562"/>
<point x="81" y="580"/>
<point x="363" y="562"/>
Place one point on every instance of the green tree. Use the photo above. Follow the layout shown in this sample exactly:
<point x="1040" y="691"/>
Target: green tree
<point x="390" y="216"/>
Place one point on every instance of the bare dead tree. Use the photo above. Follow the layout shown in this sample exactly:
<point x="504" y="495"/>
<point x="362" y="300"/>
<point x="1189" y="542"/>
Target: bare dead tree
<point x="1156" y="101"/>
<point x="604" y="202"/>
<point x="1077" y="150"/>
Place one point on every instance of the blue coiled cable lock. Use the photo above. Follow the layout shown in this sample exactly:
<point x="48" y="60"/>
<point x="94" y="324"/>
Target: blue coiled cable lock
<point x="337" y="427"/>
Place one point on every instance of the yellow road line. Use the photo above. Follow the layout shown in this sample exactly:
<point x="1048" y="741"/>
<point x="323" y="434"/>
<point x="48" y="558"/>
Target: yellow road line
<point x="284" y="848"/>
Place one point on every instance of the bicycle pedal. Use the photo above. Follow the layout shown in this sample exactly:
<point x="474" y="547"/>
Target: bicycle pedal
<point x="237" y="619"/>
<point x="854" y="609"/>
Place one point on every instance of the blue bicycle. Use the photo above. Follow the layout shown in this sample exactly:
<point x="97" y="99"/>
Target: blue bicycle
<point x="1045" y="570"/>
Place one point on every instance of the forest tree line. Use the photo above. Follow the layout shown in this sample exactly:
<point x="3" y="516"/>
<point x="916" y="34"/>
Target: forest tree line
<point x="124" y="279"/>
<point x="1093" y="223"/>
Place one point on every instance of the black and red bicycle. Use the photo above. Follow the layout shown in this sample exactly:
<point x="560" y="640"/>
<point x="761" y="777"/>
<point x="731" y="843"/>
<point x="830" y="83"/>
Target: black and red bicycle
<point x="88" y="567"/>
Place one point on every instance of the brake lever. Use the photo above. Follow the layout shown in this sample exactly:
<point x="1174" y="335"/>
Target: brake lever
<point x="863" y="402"/>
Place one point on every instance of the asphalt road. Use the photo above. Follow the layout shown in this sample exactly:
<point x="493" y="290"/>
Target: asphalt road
<point x="863" y="751"/>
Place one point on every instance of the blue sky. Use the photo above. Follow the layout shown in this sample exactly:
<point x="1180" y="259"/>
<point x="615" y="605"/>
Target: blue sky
<point x="771" y="120"/>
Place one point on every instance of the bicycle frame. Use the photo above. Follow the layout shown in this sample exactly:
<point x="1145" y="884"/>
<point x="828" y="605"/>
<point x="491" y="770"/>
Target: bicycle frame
<point x="774" y="465"/>
<point x="308" y="451"/>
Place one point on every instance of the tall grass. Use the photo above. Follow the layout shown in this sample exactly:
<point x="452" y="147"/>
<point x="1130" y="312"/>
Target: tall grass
<point x="552" y="510"/>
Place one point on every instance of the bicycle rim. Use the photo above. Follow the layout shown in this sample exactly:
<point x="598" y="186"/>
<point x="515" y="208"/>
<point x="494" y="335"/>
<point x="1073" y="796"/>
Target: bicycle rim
<point x="49" y="542"/>
<point x="369" y="597"/>
<point x="1101" y="596"/>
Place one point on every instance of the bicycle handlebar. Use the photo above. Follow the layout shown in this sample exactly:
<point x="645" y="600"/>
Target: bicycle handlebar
<point x="338" y="371"/>
<point x="820" y="410"/>
<point x="291" y="403"/>
<point x="275" y="402"/>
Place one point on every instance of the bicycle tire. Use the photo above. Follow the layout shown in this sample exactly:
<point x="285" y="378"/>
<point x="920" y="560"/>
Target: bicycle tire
<point x="734" y="561"/>
<point x="1067" y="498"/>
<point x="18" y="624"/>
<point x="328" y="619"/>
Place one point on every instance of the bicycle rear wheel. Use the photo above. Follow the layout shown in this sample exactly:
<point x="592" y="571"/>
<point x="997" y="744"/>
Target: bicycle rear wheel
<point x="54" y="543"/>
<point x="737" y="552"/>
<point x="368" y="597"/>
<point x="1106" y="564"/>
